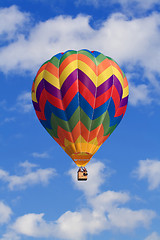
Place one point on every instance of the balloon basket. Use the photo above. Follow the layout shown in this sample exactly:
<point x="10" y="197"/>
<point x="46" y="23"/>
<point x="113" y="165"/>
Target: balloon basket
<point x="82" y="174"/>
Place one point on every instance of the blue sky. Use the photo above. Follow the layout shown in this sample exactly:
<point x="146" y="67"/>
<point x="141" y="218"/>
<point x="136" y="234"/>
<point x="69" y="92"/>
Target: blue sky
<point x="39" y="195"/>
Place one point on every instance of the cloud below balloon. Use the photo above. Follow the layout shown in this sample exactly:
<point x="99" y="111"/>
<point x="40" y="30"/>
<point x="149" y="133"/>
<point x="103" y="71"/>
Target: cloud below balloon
<point x="101" y="211"/>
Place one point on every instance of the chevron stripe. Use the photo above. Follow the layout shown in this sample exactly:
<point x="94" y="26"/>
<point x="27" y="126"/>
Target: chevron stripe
<point x="80" y="98"/>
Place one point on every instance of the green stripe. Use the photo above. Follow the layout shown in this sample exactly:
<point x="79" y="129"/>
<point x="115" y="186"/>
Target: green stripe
<point x="100" y="58"/>
<point x="54" y="61"/>
<point x="88" y="54"/>
<point x="65" y="55"/>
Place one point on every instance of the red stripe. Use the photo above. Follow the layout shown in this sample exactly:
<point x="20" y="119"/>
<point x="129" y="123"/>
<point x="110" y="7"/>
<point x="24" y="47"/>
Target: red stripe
<point x="85" y="92"/>
<point x="72" y="91"/>
<point x="55" y="101"/>
<point x="120" y="111"/>
<point x="42" y="102"/>
<point x="103" y="98"/>
<point x="115" y="97"/>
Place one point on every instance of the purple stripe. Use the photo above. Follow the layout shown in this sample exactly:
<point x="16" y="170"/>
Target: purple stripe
<point x="52" y="90"/>
<point x="36" y="106"/>
<point x="124" y="102"/>
<point x="104" y="86"/>
<point x="118" y="86"/>
<point x="113" y="80"/>
<point x="39" y="90"/>
<point x="68" y="82"/>
<point x="86" y="81"/>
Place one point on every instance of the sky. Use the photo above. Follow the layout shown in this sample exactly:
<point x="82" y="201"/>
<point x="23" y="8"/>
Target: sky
<point x="40" y="197"/>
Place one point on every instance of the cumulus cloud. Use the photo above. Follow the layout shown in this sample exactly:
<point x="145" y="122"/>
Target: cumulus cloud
<point x="12" y="20"/>
<point x="40" y="155"/>
<point x="11" y="235"/>
<point x="153" y="236"/>
<point x="29" y="178"/>
<point x="150" y="170"/>
<point x="24" y="102"/>
<point x="91" y="187"/>
<point x="132" y="42"/>
<point x="139" y="94"/>
<point x="104" y="211"/>
<point x="5" y="213"/>
<point x="139" y="5"/>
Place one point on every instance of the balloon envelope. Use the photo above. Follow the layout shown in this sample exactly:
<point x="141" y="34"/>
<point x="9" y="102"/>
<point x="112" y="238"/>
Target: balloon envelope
<point x="80" y="97"/>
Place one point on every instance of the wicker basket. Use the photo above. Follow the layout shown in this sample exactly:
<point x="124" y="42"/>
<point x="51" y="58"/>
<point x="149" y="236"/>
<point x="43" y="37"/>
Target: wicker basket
<point x="82" y="176"/>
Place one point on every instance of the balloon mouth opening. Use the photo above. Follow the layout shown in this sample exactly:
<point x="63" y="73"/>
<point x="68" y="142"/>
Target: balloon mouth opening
<point x="81" y="158"/>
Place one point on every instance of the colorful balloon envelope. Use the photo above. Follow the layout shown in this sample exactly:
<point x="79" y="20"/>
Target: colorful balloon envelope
<point x="80" y="97"/>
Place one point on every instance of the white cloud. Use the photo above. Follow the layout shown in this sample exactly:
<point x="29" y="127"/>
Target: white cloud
<point x="5" y="213"/>
<point x="11" y="235"/>
<point x="24" y="102"/>
<point x="28" y="166"/>
<point x="109" y="200"/>
<point x="11" y="20"/>
<point x="39" y="176"/>
<point x="40" y="155"/>
<point x="132" y="42"/>
<point x="32" y="225"/>
<point x="91" y="187"/>
<point x="104" y="212"/>
<point x="139" y="5"/>
<point x="139" y="94"/>
<point x="150" y="170"/>
<point x="126" y="219"/>
<point x="153" y="236"/>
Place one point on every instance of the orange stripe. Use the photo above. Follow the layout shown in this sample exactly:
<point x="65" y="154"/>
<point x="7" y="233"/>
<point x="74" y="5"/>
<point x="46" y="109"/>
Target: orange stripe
<point x="93" y="133"/>
<point x="58" y="141"/>
<point x="125" y="82"/>
<point x="107" y="63"/>
<point x="76" y="131"/>
<point x="103" y="66"/>
<point x="52" y="69"/>
<point x="88" y="62"/>
<point x="66" y="61"/>
<point x="41" y="69"/>
<point x="103" y="139"/>
<point x="62" y="134"/>
<point x="84" y="131"/>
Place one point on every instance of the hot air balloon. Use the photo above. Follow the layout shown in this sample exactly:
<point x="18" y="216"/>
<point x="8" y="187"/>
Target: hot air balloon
<point x="80" y="97"/>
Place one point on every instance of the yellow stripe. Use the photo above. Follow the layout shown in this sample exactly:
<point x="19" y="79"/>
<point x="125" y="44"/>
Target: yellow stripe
<point x="49" y="78"/>
<point x="37" y="82"/>
<point x="108" y="73"/>
<point x="125" y="92"/>
<point x="88" y="71"/>
<point x="67" y="71"/>
<point x="54" y="81"/>
<point x="34" y="99"/>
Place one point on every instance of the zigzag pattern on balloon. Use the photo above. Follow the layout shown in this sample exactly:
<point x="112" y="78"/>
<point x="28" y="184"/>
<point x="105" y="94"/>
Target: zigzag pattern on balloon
<point x="80" y="97"/>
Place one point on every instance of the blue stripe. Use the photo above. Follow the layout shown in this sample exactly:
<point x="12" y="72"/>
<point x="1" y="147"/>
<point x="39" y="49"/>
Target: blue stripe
<point x="77" y="101"/>
<point x="59" y="55"/>
<point x="72" y="107"/>
<point x="100" y="110"/>
<point x="111" y="112"/>
<point x="86" y="107"/>
<point x="96" y="54"/>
